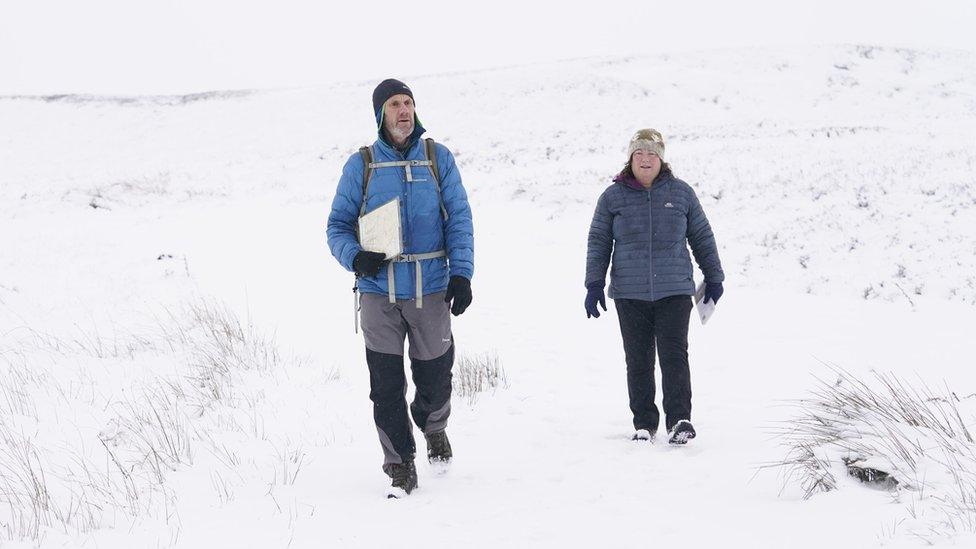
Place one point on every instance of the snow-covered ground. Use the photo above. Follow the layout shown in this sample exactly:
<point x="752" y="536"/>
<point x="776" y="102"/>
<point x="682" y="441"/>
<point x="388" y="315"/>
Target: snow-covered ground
<point x="839" y="182"/>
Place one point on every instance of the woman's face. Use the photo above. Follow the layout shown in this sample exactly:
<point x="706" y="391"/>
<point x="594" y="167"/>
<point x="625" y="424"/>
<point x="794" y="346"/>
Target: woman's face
<point x="645" y="165"/>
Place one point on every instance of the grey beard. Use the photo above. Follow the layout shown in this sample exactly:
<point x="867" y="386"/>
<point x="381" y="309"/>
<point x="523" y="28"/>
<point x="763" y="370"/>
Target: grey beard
<point x="399" y="135"/>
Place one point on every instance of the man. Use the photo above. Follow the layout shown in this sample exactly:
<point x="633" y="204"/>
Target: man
<point x="411" y="295"/>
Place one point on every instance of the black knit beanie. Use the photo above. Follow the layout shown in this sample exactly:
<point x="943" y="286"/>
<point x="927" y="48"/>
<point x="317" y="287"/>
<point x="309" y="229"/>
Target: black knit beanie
<point x="387" y="89"/>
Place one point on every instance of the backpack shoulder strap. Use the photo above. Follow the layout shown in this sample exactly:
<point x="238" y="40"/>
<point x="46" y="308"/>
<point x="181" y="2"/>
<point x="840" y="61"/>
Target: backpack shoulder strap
<point x="367" y="154"/>
<point x="430" y="151"/>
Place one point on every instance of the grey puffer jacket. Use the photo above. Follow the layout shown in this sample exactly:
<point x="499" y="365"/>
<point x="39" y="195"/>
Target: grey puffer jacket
<point x="643" y="236"/>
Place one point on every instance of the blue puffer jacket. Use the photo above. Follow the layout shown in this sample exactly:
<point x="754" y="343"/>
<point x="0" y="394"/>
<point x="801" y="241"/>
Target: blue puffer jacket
<point x="423" y="225"/>
<point x="644" y="236"/>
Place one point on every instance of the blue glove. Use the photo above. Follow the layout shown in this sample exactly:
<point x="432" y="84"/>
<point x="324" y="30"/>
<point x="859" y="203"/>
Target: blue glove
<point x="713" y="291"/>
<point x="594" y="295"/>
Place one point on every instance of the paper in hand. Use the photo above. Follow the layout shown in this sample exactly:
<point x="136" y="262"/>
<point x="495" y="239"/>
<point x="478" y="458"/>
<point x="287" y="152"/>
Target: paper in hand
<point x="705" y="310"/>
<point x="379" y="230"/>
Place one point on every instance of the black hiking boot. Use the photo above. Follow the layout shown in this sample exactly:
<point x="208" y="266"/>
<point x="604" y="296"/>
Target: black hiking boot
<point x="404" y="477"/>
<point x="438" y="448"/>
<point x="681" y="433"/>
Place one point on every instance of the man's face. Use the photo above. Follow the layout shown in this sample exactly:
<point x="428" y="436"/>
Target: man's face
<point x="398" y="113"/>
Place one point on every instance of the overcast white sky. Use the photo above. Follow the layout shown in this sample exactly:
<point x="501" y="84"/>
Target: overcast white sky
<point x="181" y="46"/>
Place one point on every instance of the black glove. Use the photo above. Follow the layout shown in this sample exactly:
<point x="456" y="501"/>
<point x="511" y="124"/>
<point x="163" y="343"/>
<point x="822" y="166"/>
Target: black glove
<point x="458" y="289"/>
<point x="713" y="291"/>
<point x="368" y="263"/>
<point x="594" y="295"/>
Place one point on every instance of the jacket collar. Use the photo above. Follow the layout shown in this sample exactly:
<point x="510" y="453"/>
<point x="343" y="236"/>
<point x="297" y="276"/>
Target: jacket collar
<point x="632" y="182"/>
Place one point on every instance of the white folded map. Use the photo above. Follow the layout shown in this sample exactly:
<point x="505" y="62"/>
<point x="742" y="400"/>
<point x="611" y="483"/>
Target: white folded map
<point x="379" y="230"/>
<point x="705" y="310"/>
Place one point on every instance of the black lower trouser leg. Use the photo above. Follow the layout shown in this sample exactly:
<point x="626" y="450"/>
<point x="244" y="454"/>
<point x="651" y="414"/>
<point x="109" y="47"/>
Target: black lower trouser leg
<point x="432" y="402"/>
<point x="387" y="390"/>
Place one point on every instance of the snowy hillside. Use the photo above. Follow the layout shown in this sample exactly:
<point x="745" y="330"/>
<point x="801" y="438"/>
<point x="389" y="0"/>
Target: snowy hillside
<point x="840" y="183"/>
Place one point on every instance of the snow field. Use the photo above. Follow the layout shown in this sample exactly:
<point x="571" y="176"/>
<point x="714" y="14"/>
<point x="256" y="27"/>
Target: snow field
<point x="839" y="183"/>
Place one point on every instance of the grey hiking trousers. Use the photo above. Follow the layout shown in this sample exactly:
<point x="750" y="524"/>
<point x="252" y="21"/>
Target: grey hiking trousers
<point x="431" y="349"/>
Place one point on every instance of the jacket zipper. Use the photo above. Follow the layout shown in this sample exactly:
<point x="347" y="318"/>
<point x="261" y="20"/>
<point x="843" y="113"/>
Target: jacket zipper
<point x="405" y="222"/>
<point x="650" y="243"/>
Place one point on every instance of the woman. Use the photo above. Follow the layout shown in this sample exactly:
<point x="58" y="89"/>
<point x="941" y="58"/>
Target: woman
<point x="645" y="218"/>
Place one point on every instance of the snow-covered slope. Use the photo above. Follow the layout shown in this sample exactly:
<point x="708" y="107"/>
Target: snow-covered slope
<point x="848" y="170"/>
<point x="839" y="182"/>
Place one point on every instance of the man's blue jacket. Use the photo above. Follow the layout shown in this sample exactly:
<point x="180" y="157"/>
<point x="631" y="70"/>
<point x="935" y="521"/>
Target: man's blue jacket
<point x="422" y="223"/>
